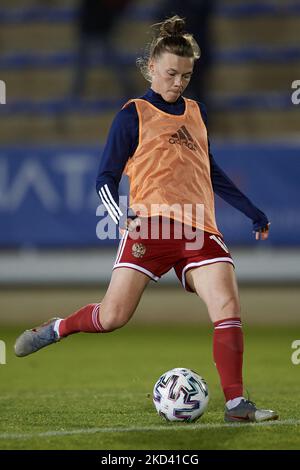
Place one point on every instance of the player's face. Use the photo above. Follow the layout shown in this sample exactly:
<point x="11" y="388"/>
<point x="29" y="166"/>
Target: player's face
<point x="170" y="75"/>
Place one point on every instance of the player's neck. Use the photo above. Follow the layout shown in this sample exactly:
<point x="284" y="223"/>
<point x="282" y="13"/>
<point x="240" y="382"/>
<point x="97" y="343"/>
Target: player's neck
<point x="157" y="95"/>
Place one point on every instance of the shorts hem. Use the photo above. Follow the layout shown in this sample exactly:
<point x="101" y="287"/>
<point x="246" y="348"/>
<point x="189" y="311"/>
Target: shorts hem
<point x="136" y="267"/>
<point x="189" y="266"/>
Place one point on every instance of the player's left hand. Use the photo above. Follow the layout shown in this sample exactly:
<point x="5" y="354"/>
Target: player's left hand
<point x="262" y="233"/>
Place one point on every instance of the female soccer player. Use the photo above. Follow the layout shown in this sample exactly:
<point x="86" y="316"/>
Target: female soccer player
<point x="160" y="141"/>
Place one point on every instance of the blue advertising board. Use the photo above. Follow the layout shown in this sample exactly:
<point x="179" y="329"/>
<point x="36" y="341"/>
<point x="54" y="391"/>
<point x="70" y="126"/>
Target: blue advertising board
<point x="48" y="196"/>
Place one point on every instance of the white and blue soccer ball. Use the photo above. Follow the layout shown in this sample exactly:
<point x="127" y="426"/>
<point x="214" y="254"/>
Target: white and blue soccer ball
<point x="180" y="395"/>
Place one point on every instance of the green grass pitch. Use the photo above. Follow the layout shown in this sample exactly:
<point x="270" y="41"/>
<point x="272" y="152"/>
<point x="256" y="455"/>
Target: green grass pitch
<point x="94" y="391"/>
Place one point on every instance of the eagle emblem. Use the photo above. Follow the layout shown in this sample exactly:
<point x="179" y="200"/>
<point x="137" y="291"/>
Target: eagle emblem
<point x="138" y="250"/>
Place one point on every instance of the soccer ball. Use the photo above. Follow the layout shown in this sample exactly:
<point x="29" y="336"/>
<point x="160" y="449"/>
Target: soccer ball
<point x="180" y="395"/>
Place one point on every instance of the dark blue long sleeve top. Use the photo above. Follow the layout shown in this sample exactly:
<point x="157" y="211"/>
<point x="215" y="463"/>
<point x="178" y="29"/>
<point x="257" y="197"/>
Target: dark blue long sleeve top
<point x="122" y="142"/>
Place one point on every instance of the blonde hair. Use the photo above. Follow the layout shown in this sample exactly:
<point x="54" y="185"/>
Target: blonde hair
<point x="168" y="36"/>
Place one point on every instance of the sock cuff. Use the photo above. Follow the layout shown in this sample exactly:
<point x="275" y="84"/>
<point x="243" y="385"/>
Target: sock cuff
<point x="232" y="322"/>
<point x="96" y="320"/>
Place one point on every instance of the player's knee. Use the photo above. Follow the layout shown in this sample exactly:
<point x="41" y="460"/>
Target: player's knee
<point x="230" y="307"/>
<point x="114" y="317"/>
<point x="225" y="307"/>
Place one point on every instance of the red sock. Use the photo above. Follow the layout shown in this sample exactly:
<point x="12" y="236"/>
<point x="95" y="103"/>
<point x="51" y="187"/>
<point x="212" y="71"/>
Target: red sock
<point x="86" y="319"/>
<point x="228" y="351"/>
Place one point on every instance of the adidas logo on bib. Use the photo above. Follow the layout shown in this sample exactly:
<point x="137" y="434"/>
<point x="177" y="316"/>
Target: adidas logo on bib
<point x="183" y="137"/>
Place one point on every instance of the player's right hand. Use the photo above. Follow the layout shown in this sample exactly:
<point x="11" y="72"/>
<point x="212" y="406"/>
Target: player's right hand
<point x="132" y="224"/>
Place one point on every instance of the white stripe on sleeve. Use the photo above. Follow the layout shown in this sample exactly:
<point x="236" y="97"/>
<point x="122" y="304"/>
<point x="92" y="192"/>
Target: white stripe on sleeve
<point x="113" y="202"/>
<point x="108" y="207"/>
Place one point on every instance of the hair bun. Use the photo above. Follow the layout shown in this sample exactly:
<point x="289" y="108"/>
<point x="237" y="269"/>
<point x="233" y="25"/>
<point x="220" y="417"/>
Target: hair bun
<point x="172" y="27"/>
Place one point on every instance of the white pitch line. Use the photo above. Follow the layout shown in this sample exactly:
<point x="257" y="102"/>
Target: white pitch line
<point x="176" y="427"/>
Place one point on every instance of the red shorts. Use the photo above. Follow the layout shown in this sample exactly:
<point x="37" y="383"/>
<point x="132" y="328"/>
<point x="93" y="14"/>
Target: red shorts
<point x="156" y="255"/>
